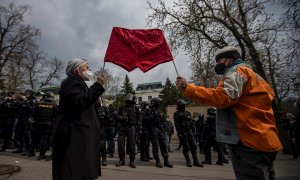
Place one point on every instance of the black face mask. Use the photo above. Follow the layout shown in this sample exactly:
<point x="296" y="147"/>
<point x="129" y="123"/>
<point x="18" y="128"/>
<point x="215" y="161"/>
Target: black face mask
<point x="220" y="68"/>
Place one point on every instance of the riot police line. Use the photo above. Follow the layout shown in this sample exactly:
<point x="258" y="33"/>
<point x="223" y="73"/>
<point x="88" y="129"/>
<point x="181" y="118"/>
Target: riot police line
<point x="27" y="126"/>
<point x="27" y="123"/>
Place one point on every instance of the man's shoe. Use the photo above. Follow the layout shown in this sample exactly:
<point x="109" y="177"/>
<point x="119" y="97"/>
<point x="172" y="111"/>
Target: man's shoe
<point x="219" y="163"/>
<point x="167" y="164"/>
<point x="25" y="153"/>
<point x="144" y="159"/>
<point x="149" y="158"/>
<point x="104" y="163"/>
<point x="31" y="154"/>
<point x="158" y="164"/>
<point x="132" y="164"/>
<point x="49" y="158"/>
<point x="41" y="157"/>
<point x="17" y="150"/>
<point x="120" y="163"/>
<point x="196" y="163"/>
<point x="226" y="161"/>
<point x="189" y="164"/>
<point x="206" y="162"/>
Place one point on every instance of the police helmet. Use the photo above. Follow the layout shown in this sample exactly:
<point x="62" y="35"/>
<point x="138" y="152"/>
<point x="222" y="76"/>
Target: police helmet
<point x="156" y="101"/>
<point x="181" y="102"/>
<point x="211" y="111"/>
<point x="144" y="104"/>
<point x="129" y="97"/>
<point x="29" y="93"/>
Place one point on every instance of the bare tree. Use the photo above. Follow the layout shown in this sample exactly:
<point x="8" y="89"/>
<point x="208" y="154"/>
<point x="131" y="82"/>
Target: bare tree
<point x="33" y="66"/>
<point x="51" y="71"/>
<point x="14" y="76"/>
<point x="292" y="44"/>
<point x="199" y="27"/>
<point x="15" y="37"/>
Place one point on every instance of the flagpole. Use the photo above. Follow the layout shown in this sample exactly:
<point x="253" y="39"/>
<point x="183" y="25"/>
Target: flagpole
<point x="175" y="68"/>
<point x="103" y="67"/>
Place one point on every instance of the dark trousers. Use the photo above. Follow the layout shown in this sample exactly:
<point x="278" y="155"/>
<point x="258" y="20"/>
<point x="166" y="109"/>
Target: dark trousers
<point x="253" y="165"/>
<point x="209" y="142"/>
<point x="107" y="134"/>
<point x="158" y="142"/>
<point x="188" y="142"/>
<point x="103" y="142"/>
<point x="129" y="133"/>
<point x="144" y="145"/>
<point x="40" y="135"/>
<point x="7" y="132"/>
<point x="22" y="138"/>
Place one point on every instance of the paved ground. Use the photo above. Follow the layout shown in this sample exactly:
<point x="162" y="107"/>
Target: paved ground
<point x="32" y="169"/>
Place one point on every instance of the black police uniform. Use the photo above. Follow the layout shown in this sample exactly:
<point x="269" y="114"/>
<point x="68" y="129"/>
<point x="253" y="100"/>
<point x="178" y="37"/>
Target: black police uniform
<point x="209" y="135"/>
<point x="158" y="134"/>
<point x="110" y="123"/>
<point x="145" y="134"/>
<point x="128" y="119"/>
<point x="100" y="112"/>
<point x="183" y="126"/>
<point x="9" y="114"/>
<point x="22" y="137"/>
<point x="44" y="116"/>
<point x="200" y="125"/>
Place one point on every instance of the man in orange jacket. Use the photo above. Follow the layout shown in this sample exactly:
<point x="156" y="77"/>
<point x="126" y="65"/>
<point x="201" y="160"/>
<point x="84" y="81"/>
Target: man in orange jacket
<point x="245" y="119"/>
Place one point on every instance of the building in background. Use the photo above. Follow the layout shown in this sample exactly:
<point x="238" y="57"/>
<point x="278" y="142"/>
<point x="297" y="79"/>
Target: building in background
<point x="147" y="91"/>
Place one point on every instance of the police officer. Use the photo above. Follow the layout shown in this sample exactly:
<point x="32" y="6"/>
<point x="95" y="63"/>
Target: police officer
<point x="209" y="135"/>
<point x="110" y="124"/>
<point x="182" y="119"/>
<point x="145" y="132"/>
<point x="101" y="115"/>
<point x="158" y="134"/>
<point x="200" y="125"/>
<point x="44" y="116"/>
<point x="169" y="131"/>
<point x="21" y="136"/>
<point x="9" y="114"/>
<point x="128" y="119"/>
<point x="31" y="103"/>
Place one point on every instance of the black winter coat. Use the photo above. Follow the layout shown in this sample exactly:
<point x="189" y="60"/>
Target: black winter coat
<point x="76" y="140"/>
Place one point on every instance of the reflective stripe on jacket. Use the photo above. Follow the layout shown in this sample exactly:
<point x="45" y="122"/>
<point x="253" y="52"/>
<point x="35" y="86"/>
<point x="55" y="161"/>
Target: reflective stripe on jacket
<point x="248" y="97"/>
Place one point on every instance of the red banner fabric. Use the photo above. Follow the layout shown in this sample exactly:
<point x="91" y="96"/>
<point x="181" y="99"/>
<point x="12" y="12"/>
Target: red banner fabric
<point x="142" y="48"/>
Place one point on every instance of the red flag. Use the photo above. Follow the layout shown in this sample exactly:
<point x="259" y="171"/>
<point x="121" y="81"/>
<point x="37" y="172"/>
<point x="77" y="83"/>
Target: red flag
<point x="140" y="48"/>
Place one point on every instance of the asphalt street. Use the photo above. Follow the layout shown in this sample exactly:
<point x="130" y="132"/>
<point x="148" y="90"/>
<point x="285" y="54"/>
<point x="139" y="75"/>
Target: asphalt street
<point x="286" y="167"/>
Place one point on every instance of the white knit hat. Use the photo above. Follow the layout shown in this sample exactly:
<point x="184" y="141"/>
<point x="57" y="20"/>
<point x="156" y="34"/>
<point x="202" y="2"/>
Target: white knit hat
<point x="228" y="52"/>
<point x="73" y="64"/>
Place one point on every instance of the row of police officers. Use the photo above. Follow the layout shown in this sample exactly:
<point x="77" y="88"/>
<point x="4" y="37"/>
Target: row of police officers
<point x="32" y="123"/>
<point x="26" y="124"/>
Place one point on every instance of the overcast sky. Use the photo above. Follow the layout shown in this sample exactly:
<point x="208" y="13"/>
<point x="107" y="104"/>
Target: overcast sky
<point x="77" y="28"/>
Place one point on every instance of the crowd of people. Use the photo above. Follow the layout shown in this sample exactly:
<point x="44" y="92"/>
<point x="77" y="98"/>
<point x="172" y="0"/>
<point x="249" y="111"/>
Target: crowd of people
<point x="81" y="131"/>
<point x="27" y="127"/>
<point x="27" y="123"/>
